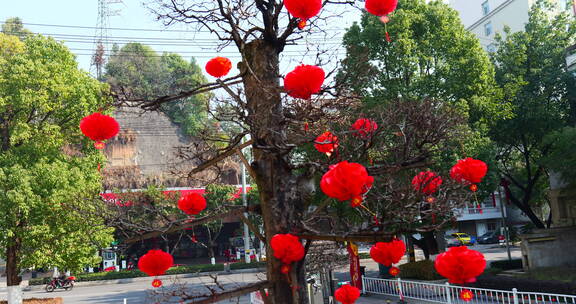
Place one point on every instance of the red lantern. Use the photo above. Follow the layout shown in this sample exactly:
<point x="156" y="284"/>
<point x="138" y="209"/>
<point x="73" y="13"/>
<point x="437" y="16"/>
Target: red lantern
<point x="466" y="295"/>
<point x="426" y="182"/>
<point x="345" y="181"/>
<point x="460" y="265"/>
<point x="285" y="269"/>
<point x="218" y="66"/>
<point x="304" y="81"/>
<point x="303" y="9"/>
<point x="394" y="271"/>
<point x="364" y="127"/>
<point x="155" y="262"/>
<point x="192" y="203"/>
<point x="469" y="171"/>
<point x="326" y="143"/>
<point x="388" y="253"/>
<point x="99" y="127"/>
<point x="347" y="294"/>
<point x="380" y="7"/>
<point x="287" y="248"/>
<point x="156" y="283"/>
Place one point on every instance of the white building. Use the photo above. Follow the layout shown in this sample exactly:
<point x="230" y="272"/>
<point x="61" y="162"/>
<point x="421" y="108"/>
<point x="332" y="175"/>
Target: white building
<point x="485" y="18"/>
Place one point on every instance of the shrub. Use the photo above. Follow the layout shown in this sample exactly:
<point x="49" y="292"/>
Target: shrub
<point x="499" y="282"/>
<point x="507" y="264"/>
<point x="127" y="274"/>
<point x="421" y="270"/>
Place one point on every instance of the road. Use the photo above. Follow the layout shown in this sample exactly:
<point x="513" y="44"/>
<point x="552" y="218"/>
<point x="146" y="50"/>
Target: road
<point x="140" y="291"/>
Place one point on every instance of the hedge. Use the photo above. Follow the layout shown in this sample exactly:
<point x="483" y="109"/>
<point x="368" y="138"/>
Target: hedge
<point x="499" y="282"/>
<point x="507" y="264"/>
<point x="421" y="270"/>
<point x="127" y="274"/>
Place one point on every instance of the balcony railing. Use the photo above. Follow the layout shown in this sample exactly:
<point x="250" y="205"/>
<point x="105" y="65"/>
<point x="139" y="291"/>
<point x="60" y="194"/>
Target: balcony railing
<point x="478" y="213"/>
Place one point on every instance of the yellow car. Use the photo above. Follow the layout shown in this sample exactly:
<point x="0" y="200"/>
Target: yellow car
<point x="463" y="238"/>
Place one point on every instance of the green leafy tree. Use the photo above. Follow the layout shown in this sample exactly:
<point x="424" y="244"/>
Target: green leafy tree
<point x="431" y="55"/>
<point x="48" y="183"/>
<point x="13" y="26"/>
<point x="531" y="71"/>
<point x="147" y="75"/>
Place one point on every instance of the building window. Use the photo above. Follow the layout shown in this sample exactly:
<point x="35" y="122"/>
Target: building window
<point x="488" y="29"/>
<point x="491" y="226"/>
<point x="485" y="8"/>
<point x="491" y="48"/>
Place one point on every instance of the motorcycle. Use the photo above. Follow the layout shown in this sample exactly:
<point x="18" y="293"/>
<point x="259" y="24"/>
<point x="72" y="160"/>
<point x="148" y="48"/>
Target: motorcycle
<point x="66" y="283"/>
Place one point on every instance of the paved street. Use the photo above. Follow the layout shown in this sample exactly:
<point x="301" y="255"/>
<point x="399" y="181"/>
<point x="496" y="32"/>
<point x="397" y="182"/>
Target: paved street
<point x="139" y="291"/>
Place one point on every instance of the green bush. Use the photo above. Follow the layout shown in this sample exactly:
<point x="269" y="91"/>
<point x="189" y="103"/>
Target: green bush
<point x="421" y="270"/>
<point x="507" y="265"/>
<point x="127" y="274"/>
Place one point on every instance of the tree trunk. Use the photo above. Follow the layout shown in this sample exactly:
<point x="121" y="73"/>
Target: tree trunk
<point x="281" y="204"/>
<point x="12" y="272"/>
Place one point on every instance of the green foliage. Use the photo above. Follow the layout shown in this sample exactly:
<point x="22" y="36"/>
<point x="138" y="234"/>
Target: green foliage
<point x="431" y="55"/>
<point x="13" y="26"/>
<point x="562" y="158"/>
<point x="421" y="270"/>
<point x="147" y="75"/>
<point x="48" y="182"/>
<point x="127" y="274"/>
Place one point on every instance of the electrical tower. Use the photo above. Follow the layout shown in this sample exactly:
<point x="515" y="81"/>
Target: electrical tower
<point x="101" y="42"/>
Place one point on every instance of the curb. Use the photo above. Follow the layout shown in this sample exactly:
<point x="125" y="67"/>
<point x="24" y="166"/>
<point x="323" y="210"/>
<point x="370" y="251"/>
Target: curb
<point x="141" y="279"/>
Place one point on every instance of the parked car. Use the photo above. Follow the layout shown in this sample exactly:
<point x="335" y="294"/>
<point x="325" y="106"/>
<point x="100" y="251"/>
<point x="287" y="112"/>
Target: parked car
<point x="464" y="238"/>
<point x="490" y="237"/>
<point x="452" y="241"/>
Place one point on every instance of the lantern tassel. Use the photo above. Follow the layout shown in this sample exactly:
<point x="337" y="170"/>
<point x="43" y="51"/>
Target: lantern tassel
<point x="387" y="34"/>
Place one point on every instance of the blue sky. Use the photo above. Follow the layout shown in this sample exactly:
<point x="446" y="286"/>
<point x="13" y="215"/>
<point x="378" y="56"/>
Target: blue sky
<point x="134" y="15"/>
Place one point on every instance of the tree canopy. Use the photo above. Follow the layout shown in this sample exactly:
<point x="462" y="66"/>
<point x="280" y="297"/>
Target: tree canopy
<point x="48" y="182"/>
<point x="147" y="75"/>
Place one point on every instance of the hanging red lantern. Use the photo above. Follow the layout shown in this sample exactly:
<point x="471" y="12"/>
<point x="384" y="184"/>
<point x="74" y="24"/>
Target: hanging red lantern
<point x="394" y="271"/>
<point x="303" y="9"/>
<point x="192" y="203"/>
<point x="364" y="127"/>
<point x="380" y="7"/>
<point x="469" y="170"/>
<point x="426" y="182"/>
<point x="326" y="143"/>
<point x="304" y="81"/>
<point x="347" y="294"/>
<point x="388" y="253"/>
<point x="466" y="295"/>
<point x="460" y="265"/>
<point x="155" y="262"/>
<point x="287" y="248"/>
<point x="218" y="66"/>
<point x="99" y="127"/>
<point x="345" y="181"/>
<point x="156" y="283"/>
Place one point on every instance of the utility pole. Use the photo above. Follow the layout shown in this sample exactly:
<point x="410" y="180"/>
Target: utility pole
<point x="505" y="223"/>
<point x="245" y="202"/>
<point x="101" y="46"/>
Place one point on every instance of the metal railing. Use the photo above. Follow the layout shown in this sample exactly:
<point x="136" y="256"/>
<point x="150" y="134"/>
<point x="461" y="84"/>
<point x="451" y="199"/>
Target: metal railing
<point x="446" y="293"/>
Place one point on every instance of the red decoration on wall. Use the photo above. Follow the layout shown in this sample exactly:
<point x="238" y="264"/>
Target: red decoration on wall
<point x="355" y="275"/>
<point x="345" y="181"/>
<point x="380" y="7"/>
<point x="347" y="294"/>
<point x="460" y="265"/>
<point x="388" y="253"/>
<point x="287" y="248"/>
<point x="466" y="295"/>
<point x="155" y="262"/>
<point x="192" y="203"/>
<point x="426" y="182"/>
<point x="99" y="127"/>
<point x="304" y="81"/>
<point x="303" y="9"/>
<point x="218" y="66"/>
<point x="364" y="127"/>
<point x="394" y="271"/>
<point x="326" y="143"/>
<point x="156" y="283"/>
<point x="469" y="171"/>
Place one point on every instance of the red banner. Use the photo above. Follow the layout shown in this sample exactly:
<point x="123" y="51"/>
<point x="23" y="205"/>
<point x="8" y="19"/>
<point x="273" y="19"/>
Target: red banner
<point x="355" y="276"/>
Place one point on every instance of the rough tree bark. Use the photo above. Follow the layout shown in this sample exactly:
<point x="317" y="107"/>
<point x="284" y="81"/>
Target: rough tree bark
<point x="280" y="201"/>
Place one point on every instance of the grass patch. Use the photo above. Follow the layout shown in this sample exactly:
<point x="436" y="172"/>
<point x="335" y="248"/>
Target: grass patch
<point x="127" y="274"/>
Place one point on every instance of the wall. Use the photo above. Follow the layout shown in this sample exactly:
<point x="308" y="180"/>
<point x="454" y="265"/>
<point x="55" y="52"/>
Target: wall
<point x="549" y="248"/>
<point x="471" y="10"/>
